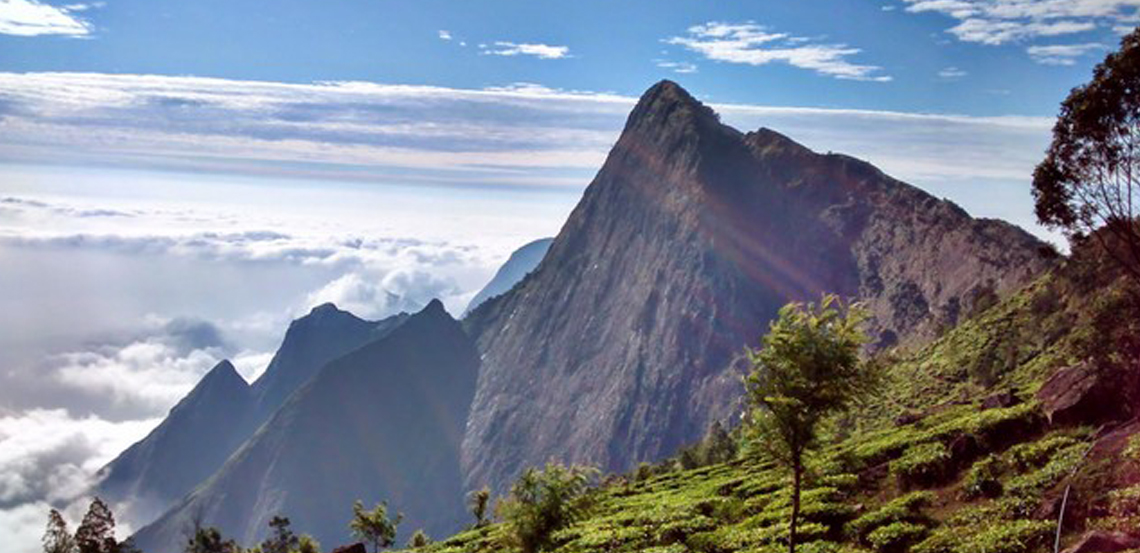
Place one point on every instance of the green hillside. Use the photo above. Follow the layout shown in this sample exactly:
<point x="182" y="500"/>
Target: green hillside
<point x="923" y="467"/>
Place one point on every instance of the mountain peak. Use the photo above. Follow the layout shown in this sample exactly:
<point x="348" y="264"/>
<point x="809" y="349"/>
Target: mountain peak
<point x="667" y="104"/>
<point x="326" y="308"/>
<point x="434" y="308"/>
<point x="223" y="373"/>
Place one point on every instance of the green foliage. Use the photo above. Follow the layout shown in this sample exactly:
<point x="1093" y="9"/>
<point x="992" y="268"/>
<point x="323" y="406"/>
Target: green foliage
<point x="1018" y="536"/>
<point x="1086" y="183"/>
<point x="209" y="540"/>
<point x="419" y="540"/>
<point x="807" y="369"/>
<point x="477" y="502"/>
<point x="96" y="533"/>
<point x="307" y="544"/>
<point x="543" y="502"/>
<point x="281" y="537"/>
<point x="896" y="537"/>
<point x="922" y="465"/>
<point x="374" y="526"/>
<point x="983" y="479"/>
<point x="56" y="538"/>
<point x="1035" y="454"/>
<point x="906" y="508"/>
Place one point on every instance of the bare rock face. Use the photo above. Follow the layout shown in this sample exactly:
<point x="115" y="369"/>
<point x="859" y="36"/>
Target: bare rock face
<point x="626" y="342"/>
<point x="1081" y="395"/>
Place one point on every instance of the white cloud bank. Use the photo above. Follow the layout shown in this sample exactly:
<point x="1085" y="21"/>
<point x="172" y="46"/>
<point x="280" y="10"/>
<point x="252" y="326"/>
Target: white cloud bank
<point x="34" y="18"/>
<point x="752" y="44"/>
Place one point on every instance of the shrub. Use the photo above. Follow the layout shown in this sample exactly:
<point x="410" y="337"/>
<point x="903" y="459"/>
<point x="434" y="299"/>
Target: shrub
<point x="896" y="537"/>
<point x="543" y="502"/>
<point x="1034" y="454"/>
<point x="922" y="465"/>
<point x="983" y="479"/>
<point x="907" y="508"/>
<point x="1018" y="536"/>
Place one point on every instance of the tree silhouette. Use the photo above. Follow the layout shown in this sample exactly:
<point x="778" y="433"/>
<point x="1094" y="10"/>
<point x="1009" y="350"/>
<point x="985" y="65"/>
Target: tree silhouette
<point x="209" y="540"/>
<point x="281" y="538"/>
<point x="478" y="502"/>
<point x="374" y="526"/>
<point x="96" y="534"/>
<point x="1089" y="181"/>
<point x="57" y="539"/>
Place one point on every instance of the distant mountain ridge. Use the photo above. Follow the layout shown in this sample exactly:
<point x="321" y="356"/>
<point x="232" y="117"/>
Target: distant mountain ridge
<point x="624" y="344"/>
<point x="223" y="411"/>
<point x="381" y="423"/>
<point x="521" y="262"/>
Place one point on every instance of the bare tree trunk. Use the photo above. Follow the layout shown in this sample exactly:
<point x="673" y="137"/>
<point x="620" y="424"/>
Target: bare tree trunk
<point x="797" y="473"/>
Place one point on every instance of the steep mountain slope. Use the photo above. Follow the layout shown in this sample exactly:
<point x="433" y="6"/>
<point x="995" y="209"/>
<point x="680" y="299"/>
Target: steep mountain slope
<point x="621" y="346"/>
<point x="223" y="411"/>
<point x="521" y="262"/>
<point x="194" y="439"/>
<point x="311" y="341"/>
<point x="383" y="422"/>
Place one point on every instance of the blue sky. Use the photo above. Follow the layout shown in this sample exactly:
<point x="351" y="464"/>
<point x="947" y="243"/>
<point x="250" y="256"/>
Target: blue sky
<point x="945" y="56"/>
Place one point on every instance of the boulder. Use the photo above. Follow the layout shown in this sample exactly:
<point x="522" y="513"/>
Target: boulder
<point x="1102" y="541"/>
<point x="1000" y="400"/>
<point x="1080" y="394"/>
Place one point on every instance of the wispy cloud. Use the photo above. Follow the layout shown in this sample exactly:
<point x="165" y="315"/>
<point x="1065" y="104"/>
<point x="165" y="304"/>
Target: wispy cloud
<point x="753" y="44"/>
<point x="1062" y="54"/>
<point x="34" y="18"/>
<point x="445" y="35"/>
<point x="996" y="22"/>
<point x="951" y="73"/>
<point x="682" y="67"/>
<point x="525" y="133"/>
<point x="537" y="50"/>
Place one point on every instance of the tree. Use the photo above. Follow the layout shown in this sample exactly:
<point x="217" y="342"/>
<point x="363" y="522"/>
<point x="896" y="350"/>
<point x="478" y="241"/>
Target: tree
<point x="96" y="533"/>
<point x="807" y="368"/>
<point x="209" y="540"/>
<point x="374" y="526"/>
<point x="419" y="539"/>
<point x="1089" y="181"/>
<point x="478" y="502"/>
<point x="718" y="446"/>
<point x="281" y="538"/>
<point x="56" y="538"/>
<point x="307" y="544"/>
<point x="542" y="502"/>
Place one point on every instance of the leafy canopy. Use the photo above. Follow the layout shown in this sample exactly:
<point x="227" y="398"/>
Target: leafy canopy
<point x="543" y="502"/>
<point x="374" y="526"/>
<point x="1089" y="182"/>
<point x="807" y="368"/>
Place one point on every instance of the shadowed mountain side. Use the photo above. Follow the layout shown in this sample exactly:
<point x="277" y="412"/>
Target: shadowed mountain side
<point x="620" y="346"/>
<point x="521" y="262"/>
<point x="384" y="422"/>
<point x="196" y="437"/>
<point x="223" y="411"/>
